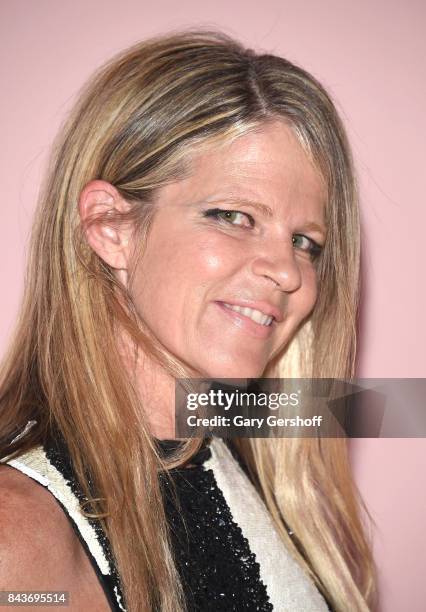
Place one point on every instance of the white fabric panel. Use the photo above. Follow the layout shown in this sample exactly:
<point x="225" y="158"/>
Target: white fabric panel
<point x="288" y="587"/>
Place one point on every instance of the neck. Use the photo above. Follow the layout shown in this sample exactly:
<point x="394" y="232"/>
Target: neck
<point x="155" y="387"/>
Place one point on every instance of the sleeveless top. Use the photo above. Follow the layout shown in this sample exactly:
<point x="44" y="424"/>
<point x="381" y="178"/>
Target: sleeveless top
<point x="228" y="553"/>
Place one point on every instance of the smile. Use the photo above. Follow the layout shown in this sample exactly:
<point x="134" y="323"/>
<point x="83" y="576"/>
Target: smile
<point x="255" y="315"/>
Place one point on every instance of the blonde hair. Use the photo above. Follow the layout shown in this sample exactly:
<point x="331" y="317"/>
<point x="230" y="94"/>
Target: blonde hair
<point x="135" y="125"/>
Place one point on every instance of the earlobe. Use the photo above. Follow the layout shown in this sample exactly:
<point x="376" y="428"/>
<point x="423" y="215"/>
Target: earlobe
<point x="110" y="242"/>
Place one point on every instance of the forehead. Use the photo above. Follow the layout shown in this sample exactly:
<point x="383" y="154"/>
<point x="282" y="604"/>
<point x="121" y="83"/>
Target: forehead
<point x="267" y="164"/>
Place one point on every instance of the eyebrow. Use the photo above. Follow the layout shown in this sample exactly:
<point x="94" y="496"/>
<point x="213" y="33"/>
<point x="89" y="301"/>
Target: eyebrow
<point x="315" y="227"/>
<point x="267" y="212"/>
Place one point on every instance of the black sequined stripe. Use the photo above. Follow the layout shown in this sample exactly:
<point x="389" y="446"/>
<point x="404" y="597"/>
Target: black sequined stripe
<point x="219" y="572"/>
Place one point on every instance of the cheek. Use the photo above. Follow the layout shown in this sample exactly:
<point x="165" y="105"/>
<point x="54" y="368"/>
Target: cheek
<point x="213" y="254"/>
<point x="309" y="293"/>
<point x="177" y="276"/>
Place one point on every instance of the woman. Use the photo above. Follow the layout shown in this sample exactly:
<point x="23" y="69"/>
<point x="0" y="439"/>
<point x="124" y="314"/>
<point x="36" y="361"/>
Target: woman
<point x="194" y="178"/>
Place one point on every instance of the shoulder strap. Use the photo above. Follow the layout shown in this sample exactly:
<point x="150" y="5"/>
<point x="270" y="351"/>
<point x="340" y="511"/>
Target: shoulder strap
<point x="37" y="465"/>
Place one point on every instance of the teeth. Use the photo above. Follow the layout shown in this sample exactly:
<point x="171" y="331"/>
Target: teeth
<point x="254" y="315"/>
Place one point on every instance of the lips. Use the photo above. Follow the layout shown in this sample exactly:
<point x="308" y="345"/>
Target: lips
<point x="255" y="315"/>
<point x="265" y="308"/>
<point x="245" y="323"/>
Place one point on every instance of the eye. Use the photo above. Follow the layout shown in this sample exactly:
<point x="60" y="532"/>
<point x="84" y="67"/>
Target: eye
<point x="232" y="217"/>
<point x="304" y="243"/>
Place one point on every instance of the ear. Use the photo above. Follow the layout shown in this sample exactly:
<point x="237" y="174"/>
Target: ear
<point x="110" y="241"/>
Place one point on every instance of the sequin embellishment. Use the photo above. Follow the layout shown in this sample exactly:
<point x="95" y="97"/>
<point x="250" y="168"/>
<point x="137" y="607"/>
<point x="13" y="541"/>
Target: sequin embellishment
<point x="217" y="568"/>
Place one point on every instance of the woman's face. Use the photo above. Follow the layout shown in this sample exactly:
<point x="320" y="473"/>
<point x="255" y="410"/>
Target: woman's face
<point x="228" y="273"/>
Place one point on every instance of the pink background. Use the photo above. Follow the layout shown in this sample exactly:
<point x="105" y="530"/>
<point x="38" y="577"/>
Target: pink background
<point x="370" y="56"/>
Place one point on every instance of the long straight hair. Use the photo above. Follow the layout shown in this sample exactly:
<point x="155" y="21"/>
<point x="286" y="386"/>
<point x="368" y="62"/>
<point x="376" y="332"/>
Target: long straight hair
<point x="137" y="124"/>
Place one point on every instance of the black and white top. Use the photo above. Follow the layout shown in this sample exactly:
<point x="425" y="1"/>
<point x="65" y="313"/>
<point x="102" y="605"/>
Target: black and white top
<point x="227" y="550"/>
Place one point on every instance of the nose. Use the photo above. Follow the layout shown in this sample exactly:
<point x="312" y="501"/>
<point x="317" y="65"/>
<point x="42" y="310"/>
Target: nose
<point x="279" y="265"/>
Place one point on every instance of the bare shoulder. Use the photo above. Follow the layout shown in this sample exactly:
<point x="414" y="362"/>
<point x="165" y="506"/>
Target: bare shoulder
<point x="39" y="549"/>
<point x="35" y="540"/>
